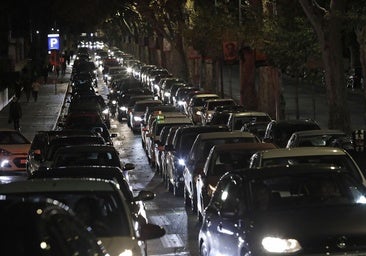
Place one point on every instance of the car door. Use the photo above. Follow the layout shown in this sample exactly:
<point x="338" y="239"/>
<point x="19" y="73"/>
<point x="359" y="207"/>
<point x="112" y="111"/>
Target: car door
<point x="221" y="219"/>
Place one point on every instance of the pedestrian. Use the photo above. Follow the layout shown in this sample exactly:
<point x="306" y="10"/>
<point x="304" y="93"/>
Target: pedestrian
<point x="36" y="85"/>
<point x="15" y="113"/>
<point x="45" y="70"/>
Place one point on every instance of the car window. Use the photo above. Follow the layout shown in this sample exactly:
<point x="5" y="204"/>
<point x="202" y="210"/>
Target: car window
<point x="305" y="190"/>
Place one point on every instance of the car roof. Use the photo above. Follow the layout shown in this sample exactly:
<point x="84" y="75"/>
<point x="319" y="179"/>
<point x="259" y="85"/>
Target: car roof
<point x="59" y="184"/>
<point x="270" y="171"/>
<point x="204" y="128"/>
<point x="320" y="132"/>
<point x="87" y="147"/>
<point x="243" y="146"/>
<point x="302" y="151"/>
<point x="233" y="134"/>
<point x="249" y="113"/>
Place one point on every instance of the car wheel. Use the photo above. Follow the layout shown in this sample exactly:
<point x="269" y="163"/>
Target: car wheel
<point x="187" y="200"/>
<point x="204" y="249"/>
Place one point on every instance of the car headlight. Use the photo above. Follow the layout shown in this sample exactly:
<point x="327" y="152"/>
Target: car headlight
<point x="181" y="162"/>
<point x="280" y="245"/>
<point x="126" y="253"/>
<point x="4" y="163"/>
<point x="105" y="111"/>
<point x="129" y="70"/>
<point x="123" y="108"/>
<point x="114" y="102"/>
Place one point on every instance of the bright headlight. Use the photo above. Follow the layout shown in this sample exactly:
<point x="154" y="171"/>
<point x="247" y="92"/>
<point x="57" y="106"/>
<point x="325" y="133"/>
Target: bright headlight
<point x="126" y="253"/>
<point x="105" y="111"/>
<point x="114" y="102"/>
<point x="123" y="108"/>
<point x="181" y="162"/>
<point x="137" y="118"/>
<point x="129" y="70"/>
<point x="4" y="163"/>
<point x="280" y="245"/>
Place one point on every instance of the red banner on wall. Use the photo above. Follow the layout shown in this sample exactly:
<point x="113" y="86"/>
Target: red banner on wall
<point x="230" y="49"/>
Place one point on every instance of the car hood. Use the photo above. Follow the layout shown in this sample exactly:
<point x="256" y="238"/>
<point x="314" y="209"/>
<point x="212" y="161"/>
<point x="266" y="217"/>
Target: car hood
<point x="16" y="148"/>
<point x="315" y="226"/>
<point x="118" y="244"/>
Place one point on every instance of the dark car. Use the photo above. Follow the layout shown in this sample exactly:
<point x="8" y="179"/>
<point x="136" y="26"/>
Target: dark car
<point x="197" y="156"/>
<point x="44" y="227"/>
<point x="288" y="210"/>
<point x="279" y="132"/>
<point x="221" y="159"/>
<point x="177" y="152"/>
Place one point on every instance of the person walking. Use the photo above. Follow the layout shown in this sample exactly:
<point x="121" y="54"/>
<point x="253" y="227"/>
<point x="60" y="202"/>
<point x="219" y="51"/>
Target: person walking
<point x="15" y="113"/>
<point x="36" y="85"/>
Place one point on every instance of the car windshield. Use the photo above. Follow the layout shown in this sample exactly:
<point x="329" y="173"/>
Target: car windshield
<point x="337" y="160"/>
<point x="85" y="158"/>
<point x="103" y="211"/>
<point x="306" y="190"/>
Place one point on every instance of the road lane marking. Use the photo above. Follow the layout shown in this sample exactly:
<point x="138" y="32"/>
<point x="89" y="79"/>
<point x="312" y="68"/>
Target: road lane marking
<point x="171" y="240"/>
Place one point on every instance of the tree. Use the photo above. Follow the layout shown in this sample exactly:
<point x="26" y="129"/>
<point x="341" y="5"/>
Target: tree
<point x="327" y="22"/>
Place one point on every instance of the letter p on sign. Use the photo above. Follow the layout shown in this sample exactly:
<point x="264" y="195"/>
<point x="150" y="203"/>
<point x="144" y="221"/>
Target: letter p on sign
<point x="53" y="42"/>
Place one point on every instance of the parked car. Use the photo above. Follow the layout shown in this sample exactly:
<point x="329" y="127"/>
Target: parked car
<point x="308" y="155"/>
<point x="44" y="227"/>
<point x="14" y="148"/>
<point x="221" y="159"/>
<point x="285" y="210"/>
<point x="316" y="138"/>
<point x="279" y="132"/>
<point x="99" y="204"/>
<point x="198" y="154"/>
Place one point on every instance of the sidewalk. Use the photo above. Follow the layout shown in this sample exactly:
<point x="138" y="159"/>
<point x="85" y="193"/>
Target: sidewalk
<point x="43" y="114"/>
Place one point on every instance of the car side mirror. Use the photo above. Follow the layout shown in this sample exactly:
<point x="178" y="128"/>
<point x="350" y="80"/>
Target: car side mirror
<point x="145" y="196"/>
<point x="128" y="167"/>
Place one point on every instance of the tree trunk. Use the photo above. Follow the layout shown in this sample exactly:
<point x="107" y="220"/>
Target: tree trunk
<point x="361" y="39"/>
<point x="248" y="95"/>
<point x="327" y="25"/>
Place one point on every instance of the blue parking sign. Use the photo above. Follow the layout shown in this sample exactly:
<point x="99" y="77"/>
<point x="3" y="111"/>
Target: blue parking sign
<point x="53" y="42"/>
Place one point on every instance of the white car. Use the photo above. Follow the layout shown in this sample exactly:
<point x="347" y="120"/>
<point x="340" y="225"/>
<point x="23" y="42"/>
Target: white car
<point x="307" y="155"/>
<point x="111" y="221"/>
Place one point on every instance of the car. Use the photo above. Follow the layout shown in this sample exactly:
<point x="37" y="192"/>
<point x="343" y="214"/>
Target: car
<point x="178" y="150"/>
<point x="195" y="105"/>
<point x="86" y="155"/>
<point x="318" y="138"/>
<point x="221" y="159"/>
<point x="279" y="132"/>
<point x="14" y="149"/>
<point x="157" y="125"/>
<point x="236" y="120"/>
<point x="306" y="155"/>
<point x="285" y="210"/>
<point x="44" y="227"/>
<point x="210" y="107"/>
<point x="99" y="204"/>
<point x="138" y="111"/>
<point x="60" y="141"/>
<point x="136" y="203"/>
<point x="197" y="156"/>
<point x="222" y="113"/>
